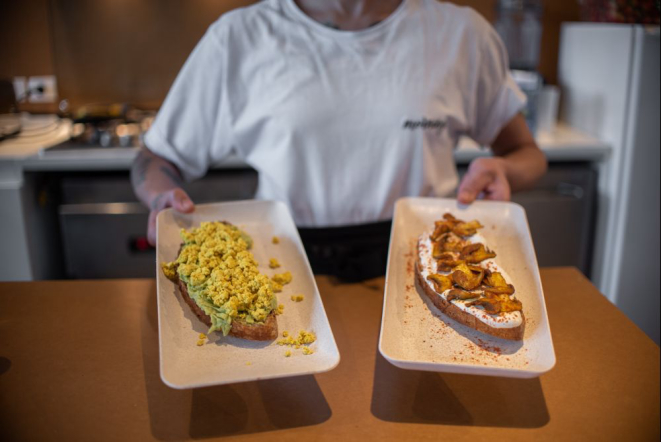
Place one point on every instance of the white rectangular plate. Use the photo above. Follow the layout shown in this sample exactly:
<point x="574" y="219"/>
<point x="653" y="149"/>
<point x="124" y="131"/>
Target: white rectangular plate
<point x="416" y="335"/>
<point x="224" y="360"/>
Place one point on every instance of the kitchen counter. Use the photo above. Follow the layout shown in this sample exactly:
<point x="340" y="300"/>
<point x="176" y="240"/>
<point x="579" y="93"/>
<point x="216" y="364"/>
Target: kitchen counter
<point x="79" y="360"/>
<point x="30" y="150"/>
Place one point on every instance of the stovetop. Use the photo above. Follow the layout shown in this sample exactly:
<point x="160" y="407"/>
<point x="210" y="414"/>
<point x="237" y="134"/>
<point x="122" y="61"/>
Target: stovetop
<point x="105" y="135"/>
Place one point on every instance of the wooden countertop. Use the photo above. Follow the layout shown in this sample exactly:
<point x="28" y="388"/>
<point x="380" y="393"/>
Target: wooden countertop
<point x="79" y="361"/>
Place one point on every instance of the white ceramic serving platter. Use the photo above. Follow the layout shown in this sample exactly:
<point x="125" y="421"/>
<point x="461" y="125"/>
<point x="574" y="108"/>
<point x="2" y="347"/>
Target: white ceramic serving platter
<point x="224" y="360"/>
<point x="416" y="335"/>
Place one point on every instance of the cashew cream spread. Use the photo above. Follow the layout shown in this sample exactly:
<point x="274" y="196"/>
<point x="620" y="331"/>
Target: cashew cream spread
<point x="503" y="320"/>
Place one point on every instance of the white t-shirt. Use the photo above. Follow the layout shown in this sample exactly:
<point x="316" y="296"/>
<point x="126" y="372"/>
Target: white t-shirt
<point x="338" y="124"/>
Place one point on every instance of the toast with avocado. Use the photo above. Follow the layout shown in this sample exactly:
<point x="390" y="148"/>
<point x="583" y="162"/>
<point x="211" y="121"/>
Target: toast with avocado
<point x="220" y="282"/>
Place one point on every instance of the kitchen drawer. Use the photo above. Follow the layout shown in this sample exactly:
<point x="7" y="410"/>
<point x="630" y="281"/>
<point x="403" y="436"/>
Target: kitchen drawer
<point x="106" y="241"/>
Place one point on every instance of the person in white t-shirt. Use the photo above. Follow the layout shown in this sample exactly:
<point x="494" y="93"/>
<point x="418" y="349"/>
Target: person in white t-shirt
<point x="342" y="106"/>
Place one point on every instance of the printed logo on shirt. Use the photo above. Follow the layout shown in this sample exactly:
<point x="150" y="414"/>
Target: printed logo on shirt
<point x="424" y="124"/>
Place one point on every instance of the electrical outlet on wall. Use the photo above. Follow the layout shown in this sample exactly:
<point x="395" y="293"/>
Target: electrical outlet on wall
<point x="42" y="89"/>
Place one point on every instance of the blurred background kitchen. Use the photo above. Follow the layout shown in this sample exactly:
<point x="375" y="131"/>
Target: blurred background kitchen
<point x="81" y="80"/>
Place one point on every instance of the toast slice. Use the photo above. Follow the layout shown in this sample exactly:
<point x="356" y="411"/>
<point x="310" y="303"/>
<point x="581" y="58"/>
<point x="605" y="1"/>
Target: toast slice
<point x="509" y="325"/>
<point x="266" y="331"/>
<point x="225" y="248"/>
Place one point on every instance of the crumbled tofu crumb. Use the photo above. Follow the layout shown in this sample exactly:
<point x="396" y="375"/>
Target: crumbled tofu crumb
<point x="303" y="338"/>
<point x="200" y="342"/>
<point x="285" y="333"/>
<point x="273" y="263"/>
<point x="288" y="353"/>
<point x="202" y="336"/>
<point x="297" y="298"/>
<point x="307" y="351"/>
<point x="275" y="240"/>
<point x="248" y="363"/>
<point x="280" y="309"/>
<point x="282" y="278"/>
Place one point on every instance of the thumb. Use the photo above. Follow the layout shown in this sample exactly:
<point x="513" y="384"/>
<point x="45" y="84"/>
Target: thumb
<point x="181" y="202"/>
<point x="151" y="228"/>
<point x="471" y="185"/>
<point x="499" y="189"/>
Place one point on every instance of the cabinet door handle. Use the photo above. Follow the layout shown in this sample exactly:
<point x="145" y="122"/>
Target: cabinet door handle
<point x="571" y="190"/>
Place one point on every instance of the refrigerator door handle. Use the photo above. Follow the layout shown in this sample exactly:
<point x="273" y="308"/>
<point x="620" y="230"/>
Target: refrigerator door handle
<point x="571" y="190"/>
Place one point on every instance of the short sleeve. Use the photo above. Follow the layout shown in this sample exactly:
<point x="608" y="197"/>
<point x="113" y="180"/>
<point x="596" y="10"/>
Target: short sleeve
<point x="497" y="97"/>
<point x="184" y="131"/>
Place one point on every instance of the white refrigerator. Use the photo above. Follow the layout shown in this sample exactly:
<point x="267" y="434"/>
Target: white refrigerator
<point x="609" y="78"/>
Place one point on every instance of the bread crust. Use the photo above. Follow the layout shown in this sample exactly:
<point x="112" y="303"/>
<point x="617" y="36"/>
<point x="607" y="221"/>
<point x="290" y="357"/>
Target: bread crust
<point x="266" y="331"/>
<point x="463" y="317"/>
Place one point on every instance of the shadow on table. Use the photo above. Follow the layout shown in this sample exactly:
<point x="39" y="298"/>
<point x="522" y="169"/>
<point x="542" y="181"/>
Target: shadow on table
<point x="223" y="410"/>
<point x="450" y="399"/>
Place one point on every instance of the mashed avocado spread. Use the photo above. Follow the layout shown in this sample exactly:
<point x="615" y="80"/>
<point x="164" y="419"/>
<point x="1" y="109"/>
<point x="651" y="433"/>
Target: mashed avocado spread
<point x="222" y="276"/>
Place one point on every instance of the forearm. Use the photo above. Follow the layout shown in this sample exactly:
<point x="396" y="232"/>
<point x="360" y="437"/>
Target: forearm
<point x="524" y="166"/>
<point x="152" y="176"/>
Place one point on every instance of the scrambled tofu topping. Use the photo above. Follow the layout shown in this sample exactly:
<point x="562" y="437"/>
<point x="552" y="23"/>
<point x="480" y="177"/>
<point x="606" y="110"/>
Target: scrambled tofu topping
<point x="297" y="298"/>
<point x="222" y="275"/>
<point x="275" y="240"/>
<point x="273" y="263"/>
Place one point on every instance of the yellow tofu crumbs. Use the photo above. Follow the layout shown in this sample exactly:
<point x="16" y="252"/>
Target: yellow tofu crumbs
<point x="297" y="298"/>
<point x="202" y="336"/>
<point x="277" y="288"/>
<point x="275" y="240"/>
<point x="273" y="263"/>
<point x="285" y="333"/>
<point x="307" y="351"/>
<point x="282" y="278"/>
<point x="288" y="353"/>
<point x="248" y="363"/>
<point x="280" y="309"/>
<point x="303" y="338"/>
<point x="200" y="342"/>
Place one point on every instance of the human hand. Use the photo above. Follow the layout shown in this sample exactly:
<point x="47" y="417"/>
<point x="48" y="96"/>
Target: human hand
<point x="175" y="198"/>
<point x="485" y="176"/>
